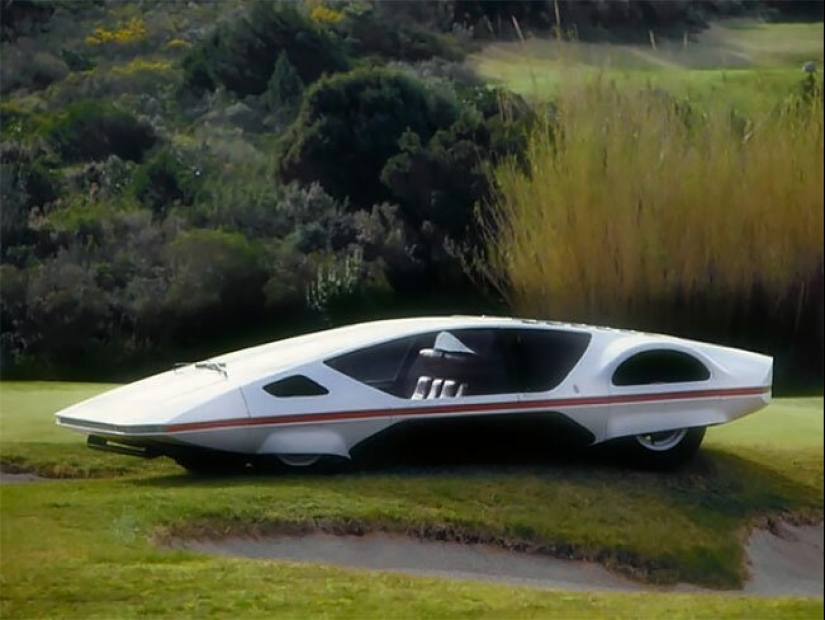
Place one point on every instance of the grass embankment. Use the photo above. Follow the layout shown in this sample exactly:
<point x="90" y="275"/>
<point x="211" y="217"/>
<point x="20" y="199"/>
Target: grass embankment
<point x="83" y="548"/>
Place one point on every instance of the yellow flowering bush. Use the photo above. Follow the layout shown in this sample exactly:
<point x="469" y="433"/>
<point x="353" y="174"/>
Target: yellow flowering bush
<point x="324" y="15"/>
<point x="178" y="44"/>
<point x="141" y="64"/>
<point x="133" y="31"/>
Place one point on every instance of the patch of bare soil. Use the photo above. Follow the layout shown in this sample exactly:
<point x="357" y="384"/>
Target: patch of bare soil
<point x="17" y="478"/>
<point x="790" y="563"/>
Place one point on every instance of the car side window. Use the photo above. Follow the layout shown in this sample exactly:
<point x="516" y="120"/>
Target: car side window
<point x="660" y="366"/>
<point x="460" y="362"/>
<point x="383" y="366"/>
<point x="296" y="385"/>
<point x="500" y="361"/>
<point x="466" y="362"/>
<point x="538" y="360"/>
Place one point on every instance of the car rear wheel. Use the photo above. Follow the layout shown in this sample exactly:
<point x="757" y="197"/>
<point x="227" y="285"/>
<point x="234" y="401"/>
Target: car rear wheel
<point x="299" y="461"/>
<point x="665" y="449"/>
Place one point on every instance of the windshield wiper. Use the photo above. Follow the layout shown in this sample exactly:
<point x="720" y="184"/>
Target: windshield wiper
<point x="216" y="366"/>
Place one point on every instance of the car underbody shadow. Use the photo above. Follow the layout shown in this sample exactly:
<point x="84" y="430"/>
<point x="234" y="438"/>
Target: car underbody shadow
<point x="485" y="441"/>
<point x="459" y="444"/>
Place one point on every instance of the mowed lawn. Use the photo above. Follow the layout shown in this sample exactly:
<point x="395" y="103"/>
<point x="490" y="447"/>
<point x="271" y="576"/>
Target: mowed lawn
<point x="746" y="64"/>
<point x="88" y="547"/>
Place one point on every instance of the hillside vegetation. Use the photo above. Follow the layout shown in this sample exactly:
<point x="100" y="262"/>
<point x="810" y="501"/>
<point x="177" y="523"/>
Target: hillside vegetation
<point x="181" y="178"/>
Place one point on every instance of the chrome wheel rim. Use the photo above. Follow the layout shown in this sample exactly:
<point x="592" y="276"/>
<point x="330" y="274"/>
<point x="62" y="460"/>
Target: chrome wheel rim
<point x="662" y="441"/>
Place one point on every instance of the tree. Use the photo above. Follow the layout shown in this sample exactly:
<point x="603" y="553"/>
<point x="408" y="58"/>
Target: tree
<point x="285" y="87"/>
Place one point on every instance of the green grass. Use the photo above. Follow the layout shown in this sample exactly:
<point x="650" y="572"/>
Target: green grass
<point x="789" y="423"/>
<point x="26" y="409"/>
<point x="745" y="64"/>
<point x="87" y="548"/>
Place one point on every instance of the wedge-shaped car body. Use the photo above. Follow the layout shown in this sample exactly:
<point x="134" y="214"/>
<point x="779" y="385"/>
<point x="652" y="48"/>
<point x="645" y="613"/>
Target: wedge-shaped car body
<point x="322" y="394"/>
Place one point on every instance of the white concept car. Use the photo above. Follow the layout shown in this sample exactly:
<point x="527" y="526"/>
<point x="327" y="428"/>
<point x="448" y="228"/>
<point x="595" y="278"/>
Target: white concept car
<point x="323" y="394"/>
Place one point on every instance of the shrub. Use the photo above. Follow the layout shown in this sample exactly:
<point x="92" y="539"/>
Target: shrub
<point x="66" y="313"/>
<point x="387" y="33"/>
<point x="126" y="34"/>
<point x="24" y="17"/>
<point x="338" y="287"/>
<point x="213" y="274"/>
<point x="27" y="180"/>
<point x="241" y="55"/>
<point x="434" y="15"/>
<point x="29" y="69"/>
<point x="442" y="181"/>
<point x="76" y="61"/>
<point x="12" y="312"/>
<point x="325" y="15"/>
<point x="165" y="180"/>
<point x="349" y="125"/>
<point x="89" y="131"/>
<point x="285" y="88"/>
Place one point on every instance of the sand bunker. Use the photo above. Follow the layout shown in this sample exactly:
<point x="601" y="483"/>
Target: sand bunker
<point x="790" y="563"/>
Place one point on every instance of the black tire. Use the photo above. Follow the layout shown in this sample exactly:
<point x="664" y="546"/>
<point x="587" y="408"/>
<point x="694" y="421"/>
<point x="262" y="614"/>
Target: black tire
<point x="211" y="464"/>
<point x="665" y="450"/>
<point x="299" y="464"/>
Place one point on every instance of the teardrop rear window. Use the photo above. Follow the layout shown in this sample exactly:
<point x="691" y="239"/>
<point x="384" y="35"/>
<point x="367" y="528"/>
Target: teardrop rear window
<point x="296" y="385"/>
<point x="660" y="366"/>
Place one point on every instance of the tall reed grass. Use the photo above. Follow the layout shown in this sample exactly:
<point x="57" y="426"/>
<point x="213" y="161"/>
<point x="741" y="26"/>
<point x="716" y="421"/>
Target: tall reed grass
<point x="634" y="208"/>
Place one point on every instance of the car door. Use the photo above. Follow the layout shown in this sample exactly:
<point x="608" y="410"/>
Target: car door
<point x="458" y="386"/>
<point x="546" y="368"/>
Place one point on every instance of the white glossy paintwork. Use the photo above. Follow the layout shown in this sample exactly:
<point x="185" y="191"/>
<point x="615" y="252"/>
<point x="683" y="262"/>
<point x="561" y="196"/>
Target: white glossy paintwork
<point x="229" y="410"/>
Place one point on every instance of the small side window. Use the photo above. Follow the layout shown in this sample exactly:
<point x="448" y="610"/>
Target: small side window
<point x="660" y="366"/>
<point x="296" y="385"/>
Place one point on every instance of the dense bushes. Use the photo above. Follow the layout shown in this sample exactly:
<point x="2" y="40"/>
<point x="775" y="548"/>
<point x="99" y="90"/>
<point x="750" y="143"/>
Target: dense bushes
<point x="27" y="180"/>
<point x="400" y="30"/>
<point x="241" y="55"/>
<point x="213" y="276"/>
<point x="443" y="180"/>
<point x="350" y="124"/>
<point x="29" y="69"/>
<point x="23" y="17"/>
<point x="90" y="130"/>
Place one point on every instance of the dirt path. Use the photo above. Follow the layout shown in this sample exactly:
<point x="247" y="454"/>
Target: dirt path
<point x="788" y="564"/>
